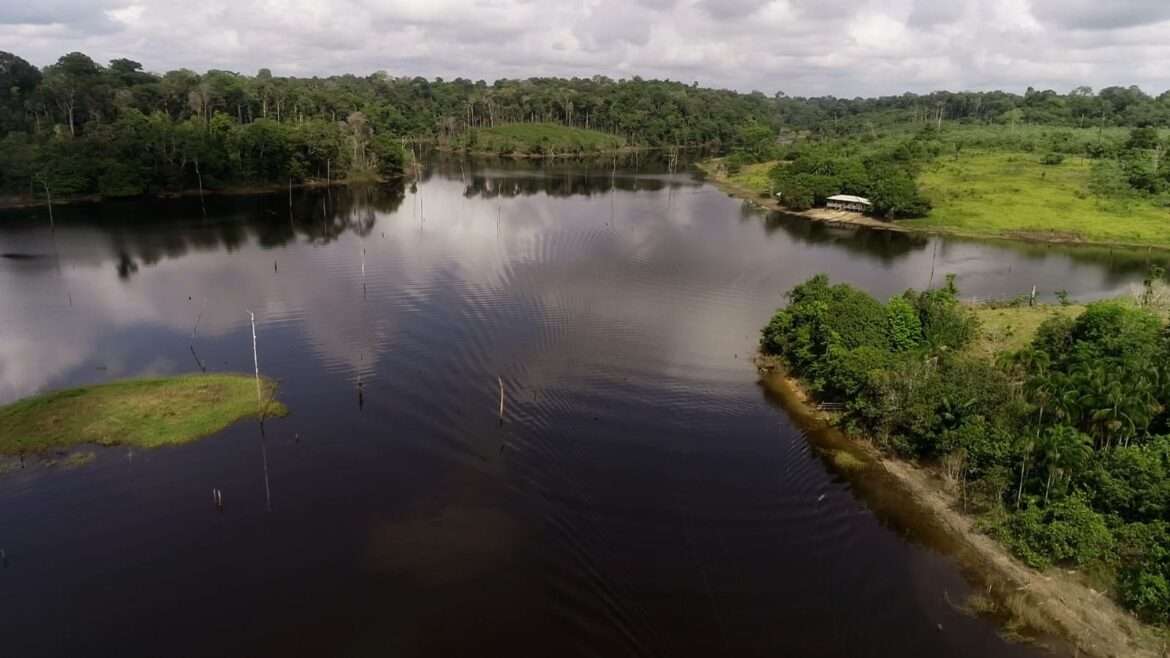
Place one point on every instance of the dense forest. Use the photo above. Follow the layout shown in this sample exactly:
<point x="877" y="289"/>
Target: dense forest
<point x="80" y="127"/>
<point x="1062" y="446"/>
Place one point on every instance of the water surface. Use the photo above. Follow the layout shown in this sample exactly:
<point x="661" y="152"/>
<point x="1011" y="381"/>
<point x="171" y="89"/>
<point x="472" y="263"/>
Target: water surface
<point x="642" y="496"/>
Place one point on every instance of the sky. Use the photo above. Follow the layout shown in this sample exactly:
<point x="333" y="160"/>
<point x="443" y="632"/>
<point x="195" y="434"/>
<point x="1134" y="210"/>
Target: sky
<point x="844" y="48"/>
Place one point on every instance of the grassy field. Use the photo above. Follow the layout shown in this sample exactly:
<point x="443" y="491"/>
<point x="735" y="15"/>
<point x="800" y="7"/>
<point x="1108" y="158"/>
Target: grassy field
<point x="541" y="139"/>
<point x="753" y="177"/>
<point x="1010" y="329"/>
<point x="139" y="412"/>
<point x="1013" y="195"/>
<point x="1006" y="329"/>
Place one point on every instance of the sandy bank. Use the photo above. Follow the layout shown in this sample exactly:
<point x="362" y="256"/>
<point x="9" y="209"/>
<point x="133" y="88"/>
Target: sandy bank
<point x="1053" y="607"/>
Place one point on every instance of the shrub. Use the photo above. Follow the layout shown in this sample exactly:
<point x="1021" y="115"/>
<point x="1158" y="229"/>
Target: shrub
<point x="1133" y="482"/>
<point x="946" y="324"/>
<point x="819" y="316"/>
<point x="1065" y="532"/>
<point x="903" y="324"/>
<point x="1143" y="583"/>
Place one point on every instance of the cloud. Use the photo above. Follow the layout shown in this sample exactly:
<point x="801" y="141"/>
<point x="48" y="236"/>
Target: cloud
<point x="1097" y="15"/>
<point x="807" y="47"/>
<point x="928" y="13"/>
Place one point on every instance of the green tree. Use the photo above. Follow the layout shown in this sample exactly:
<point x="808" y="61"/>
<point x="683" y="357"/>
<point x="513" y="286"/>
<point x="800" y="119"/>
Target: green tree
<point x="73" y="83"/>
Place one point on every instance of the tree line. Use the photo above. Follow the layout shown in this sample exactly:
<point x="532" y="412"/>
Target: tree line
<point x="1080" y="108"/>
<point x="1063" y="446"/>
<point x="78" y="126"/>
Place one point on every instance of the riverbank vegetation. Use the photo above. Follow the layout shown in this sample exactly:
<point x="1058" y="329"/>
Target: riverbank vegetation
<point x="1083" y="166"/>
<point x="1051" y="424"/>
<point x="80" y="128"/>
<point x="1052" y="183"/>
<point x="536" y="140"/>
<point x="143" y="413"/>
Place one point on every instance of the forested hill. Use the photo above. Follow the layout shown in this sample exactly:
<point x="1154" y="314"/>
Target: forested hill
<point x="80" y="127"/>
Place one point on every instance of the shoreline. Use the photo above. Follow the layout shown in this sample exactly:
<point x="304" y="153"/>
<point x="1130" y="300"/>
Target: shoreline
<point x="518" y="155"/>
<point x="1052" y="608"/>
<point x="19" y="202"/>
<point x="842" y="218"/>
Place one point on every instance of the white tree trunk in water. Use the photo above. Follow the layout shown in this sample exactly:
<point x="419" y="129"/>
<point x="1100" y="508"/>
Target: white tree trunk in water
<point x="49" y="197"/>
<point x="501" y="380"/>
<point x="256" y="363"/>
<point x="199" y="177"/>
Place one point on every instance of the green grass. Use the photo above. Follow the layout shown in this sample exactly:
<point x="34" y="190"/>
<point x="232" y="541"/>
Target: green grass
<point x="140" y="412"/>
<point x="753" y="177"/>
<point x="1010" y="329"/>
<point x="541" y="139"/>
<point x="1012" y="195"/>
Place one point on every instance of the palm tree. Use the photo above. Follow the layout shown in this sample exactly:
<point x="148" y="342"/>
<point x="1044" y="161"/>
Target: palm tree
<point x="1025" y="444"/>
<point x="1063" y="450"/>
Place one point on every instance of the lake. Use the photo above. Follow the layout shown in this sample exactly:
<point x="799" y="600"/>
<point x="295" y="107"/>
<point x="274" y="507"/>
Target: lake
<point x="642" y="495"/>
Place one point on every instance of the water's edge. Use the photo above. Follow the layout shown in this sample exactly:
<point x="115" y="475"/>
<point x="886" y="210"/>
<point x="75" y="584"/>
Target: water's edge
<point x="824" y="216"/>
<point x="1051" y="608"/>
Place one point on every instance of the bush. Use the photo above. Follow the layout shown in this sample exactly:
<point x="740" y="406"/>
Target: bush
<point x="895" y="195"/>
<point x="1143" y="583"/>
<point x="1133" y="482"/>
<point x="1052" y="158"/>
<point x="820" y="315"/>
<point x="796" y="196"/>
<point x="1066" y="532"/>
<point x="918" y="406"/>
<point x="905" y="328"/>
<point x="946" y="324"/>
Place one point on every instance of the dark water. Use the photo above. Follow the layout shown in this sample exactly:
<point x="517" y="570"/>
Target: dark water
<point x="641" y="497"/>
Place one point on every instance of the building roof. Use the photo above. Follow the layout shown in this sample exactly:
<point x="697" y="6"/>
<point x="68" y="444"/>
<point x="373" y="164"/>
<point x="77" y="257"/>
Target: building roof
<point x="849" y="198"/>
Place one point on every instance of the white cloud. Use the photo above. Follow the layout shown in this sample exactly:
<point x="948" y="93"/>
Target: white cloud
<point x="841" y="47"/>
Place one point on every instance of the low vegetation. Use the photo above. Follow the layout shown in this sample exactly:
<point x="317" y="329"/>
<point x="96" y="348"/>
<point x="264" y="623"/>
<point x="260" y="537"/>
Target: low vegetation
<point x="538" y="139"/>
<point x="1016" y="193"/>
<point x="142" y="412"/>
<point x="1052" y="424"/>
<point x="1047" y="183"/>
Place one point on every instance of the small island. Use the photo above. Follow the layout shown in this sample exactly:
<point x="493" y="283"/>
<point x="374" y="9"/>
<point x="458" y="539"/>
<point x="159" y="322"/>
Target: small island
<point x="536" y="140"/>
<point x="144" y="413"/>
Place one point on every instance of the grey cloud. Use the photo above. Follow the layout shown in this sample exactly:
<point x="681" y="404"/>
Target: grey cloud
<point x="808" y="47"/>
<point x="613" y="22"/>
<point x="833" y="10"/>
<point x="731" y="9"/>
<point x="77" y="14"/>
<point x="928" y="13"/>
<point x="1101" y="14"/>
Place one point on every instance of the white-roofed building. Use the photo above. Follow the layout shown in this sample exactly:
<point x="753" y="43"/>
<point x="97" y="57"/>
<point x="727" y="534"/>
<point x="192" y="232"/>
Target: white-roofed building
<point x="849" y="202"/>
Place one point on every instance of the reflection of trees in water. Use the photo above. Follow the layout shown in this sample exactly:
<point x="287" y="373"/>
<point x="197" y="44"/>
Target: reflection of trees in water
<point x="490" y="178"/>
<point x="351" y="209"/>
<point x="146" y="232"/>
<point x="491" y="185"/>
<point x="645" y="162"/>
<point x="1118" y="264"/>
<point x="886" y="246"/>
